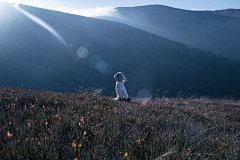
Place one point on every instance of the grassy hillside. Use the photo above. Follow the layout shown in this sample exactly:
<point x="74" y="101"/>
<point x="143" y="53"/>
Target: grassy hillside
<point x="47" y="125"/>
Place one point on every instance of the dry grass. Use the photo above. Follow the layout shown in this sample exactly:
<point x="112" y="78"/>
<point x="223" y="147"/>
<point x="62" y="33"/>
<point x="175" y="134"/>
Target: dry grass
<point x="47" y="125"/>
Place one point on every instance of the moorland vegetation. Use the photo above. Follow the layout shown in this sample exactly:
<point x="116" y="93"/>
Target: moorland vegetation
<point x="48" y="125"/>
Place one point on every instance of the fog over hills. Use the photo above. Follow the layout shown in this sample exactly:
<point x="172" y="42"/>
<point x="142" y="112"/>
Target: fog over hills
<point x="206" y="30"/>
<point x="31" y="57"/>
<point x="227" y="12"/>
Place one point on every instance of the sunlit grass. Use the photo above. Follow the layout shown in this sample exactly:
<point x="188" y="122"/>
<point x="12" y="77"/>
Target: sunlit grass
<point x="48" y="125"/>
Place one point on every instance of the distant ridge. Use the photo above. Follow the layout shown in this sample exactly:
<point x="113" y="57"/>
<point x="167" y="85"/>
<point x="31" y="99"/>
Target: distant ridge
<point x="201" y="29"/>
<point x="226" y="12"/>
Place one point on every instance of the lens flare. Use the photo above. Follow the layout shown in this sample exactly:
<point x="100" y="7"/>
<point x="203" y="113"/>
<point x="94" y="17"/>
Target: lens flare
<point x="43" y="24"/>
<point x="107" y="70"/>
<point x="71" y="45"/>
<point x="82" y="52"/>
<point x="93" y="59"/>
<point x="101" y="66"/>
<point x="96" y="62"/>
<point x="144" y="95"/>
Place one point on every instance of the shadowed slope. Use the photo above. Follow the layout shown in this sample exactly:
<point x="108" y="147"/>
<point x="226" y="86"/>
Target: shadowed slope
<point x="195" y="28"/>
<point x="32" y="58"/>
<point x="226" y="12"/>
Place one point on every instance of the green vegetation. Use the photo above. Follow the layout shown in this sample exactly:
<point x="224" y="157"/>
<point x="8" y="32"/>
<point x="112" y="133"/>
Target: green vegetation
<point x="48" y="125"/>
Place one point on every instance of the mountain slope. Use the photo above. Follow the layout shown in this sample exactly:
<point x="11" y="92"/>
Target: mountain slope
<point x="32" y="58"/>
<point x="195" y="28"/>
<point x="226" y="12"/>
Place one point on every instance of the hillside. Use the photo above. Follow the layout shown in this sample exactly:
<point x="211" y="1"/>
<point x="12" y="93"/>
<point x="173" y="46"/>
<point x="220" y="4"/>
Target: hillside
<point x="48" y="125"/>
<point x="227" y="12"/>
<point x="32" y="58"/>
<point x="195" y="28"/>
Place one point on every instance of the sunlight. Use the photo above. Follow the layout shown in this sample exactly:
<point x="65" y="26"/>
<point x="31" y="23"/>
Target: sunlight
<point x="43" y="24"/>
<point x="90" y="12"/>
<point x="16" y="5"/>
<point x="5" y="16"/>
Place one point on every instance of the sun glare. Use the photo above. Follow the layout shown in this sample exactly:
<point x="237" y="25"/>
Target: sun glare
<point x="16" y="5"/>
<point x="43" y="24"/>
<point x="90" y="12"/>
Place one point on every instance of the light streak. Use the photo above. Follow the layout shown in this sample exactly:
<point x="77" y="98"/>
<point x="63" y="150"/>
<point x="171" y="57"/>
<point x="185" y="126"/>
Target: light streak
<point x="42" y="23"/>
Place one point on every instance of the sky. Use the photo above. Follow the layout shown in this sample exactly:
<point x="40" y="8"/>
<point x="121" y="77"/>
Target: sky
<point x="105" y="7"/>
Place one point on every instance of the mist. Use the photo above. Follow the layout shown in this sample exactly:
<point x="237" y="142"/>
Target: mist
<point x="90" y="12"/>
<point x="197" y="29"/>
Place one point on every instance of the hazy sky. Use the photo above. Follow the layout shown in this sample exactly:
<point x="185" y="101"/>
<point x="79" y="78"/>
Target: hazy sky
<point x="89" y="7"/>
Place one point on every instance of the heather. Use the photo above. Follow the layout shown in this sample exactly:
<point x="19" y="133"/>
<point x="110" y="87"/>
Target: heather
<point x="48" y="125"/>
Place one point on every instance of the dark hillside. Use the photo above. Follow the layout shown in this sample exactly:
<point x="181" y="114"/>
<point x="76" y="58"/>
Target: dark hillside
<point x="195" y="28"/>
<point x="30" y="57"/>
<point x="226" y="12"/>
